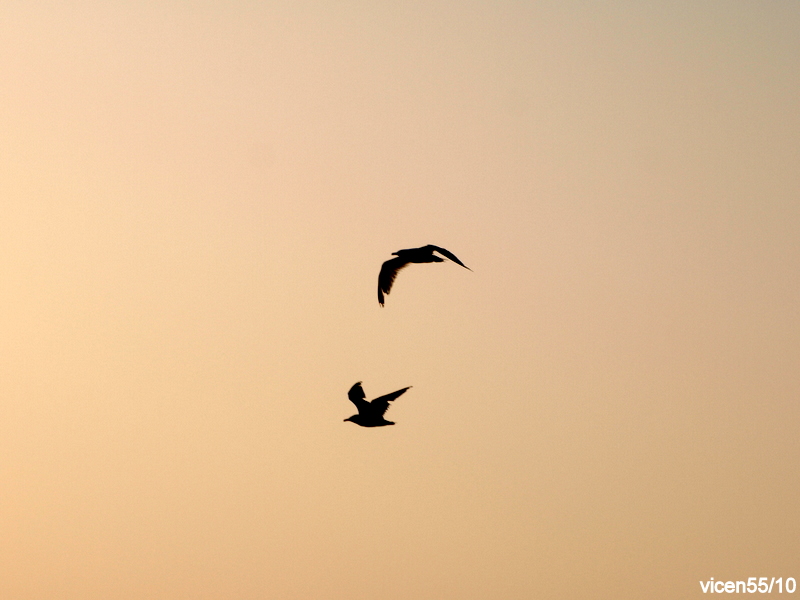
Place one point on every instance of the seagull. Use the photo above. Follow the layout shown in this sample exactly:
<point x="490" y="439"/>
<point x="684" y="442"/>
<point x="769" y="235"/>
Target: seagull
<point x="370" y="414"/>
<point x="392" y="266"/>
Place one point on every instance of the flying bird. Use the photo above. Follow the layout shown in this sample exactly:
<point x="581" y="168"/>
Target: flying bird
<point x="392" y="267"/>
<point x="370" y="414"/>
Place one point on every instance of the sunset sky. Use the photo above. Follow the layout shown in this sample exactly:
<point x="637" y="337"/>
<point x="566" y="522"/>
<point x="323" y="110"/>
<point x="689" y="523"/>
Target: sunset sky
<point x="197" y="198"/>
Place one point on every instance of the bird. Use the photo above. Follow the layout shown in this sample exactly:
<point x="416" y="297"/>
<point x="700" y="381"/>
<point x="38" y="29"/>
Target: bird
<point x="425" y="254"/>
<point x="370" y="414"/>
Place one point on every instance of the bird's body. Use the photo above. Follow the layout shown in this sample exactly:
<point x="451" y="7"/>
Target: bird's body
<point x="425" y="254"/>
<point x="370" y="414"/>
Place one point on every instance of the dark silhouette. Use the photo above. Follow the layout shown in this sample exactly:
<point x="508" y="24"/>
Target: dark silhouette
<point x="392" y="266"/>
<point x="370" y="414"/>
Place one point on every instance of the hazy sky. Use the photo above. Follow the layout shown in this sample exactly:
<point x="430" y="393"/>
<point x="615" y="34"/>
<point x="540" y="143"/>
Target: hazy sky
<point x="196" y="201"/>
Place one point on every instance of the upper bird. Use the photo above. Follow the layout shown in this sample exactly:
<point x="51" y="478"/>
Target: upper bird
<point x="425" y="254"/>
<point x="370" y="414"/>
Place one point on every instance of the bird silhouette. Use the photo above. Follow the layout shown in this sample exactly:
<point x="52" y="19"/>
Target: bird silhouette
<point x="392" y="267"/>
<point x="370" y="414"/>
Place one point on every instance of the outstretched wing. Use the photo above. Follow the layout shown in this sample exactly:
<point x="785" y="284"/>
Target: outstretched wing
<point x="448" y="254"/>
<point x="357" y="397"/>
<point x="379" y="405"/>
<point x="387" y="276"/>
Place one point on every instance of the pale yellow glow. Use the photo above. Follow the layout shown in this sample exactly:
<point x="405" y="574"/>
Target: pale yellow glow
<point x="196" y="200"/>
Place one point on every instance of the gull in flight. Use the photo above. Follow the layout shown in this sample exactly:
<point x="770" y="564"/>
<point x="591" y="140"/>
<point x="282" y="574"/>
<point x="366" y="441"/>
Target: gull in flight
<point x="392" y="267"/>
<point x="370" y="414"/>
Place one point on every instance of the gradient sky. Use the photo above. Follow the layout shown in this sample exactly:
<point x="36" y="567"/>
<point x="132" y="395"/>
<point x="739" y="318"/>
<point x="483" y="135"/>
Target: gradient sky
<point x="196" y="200"/>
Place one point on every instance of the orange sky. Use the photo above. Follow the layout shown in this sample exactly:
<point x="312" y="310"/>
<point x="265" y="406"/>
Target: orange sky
<point x="196" y="201"/>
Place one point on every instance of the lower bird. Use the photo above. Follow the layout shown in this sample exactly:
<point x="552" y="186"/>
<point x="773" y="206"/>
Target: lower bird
<point x="425" y="254"/>
<point x="370" y="414"/>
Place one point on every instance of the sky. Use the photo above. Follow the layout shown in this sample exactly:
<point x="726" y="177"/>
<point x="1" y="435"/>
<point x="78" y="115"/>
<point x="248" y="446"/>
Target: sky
<point x="197" y="199"/>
